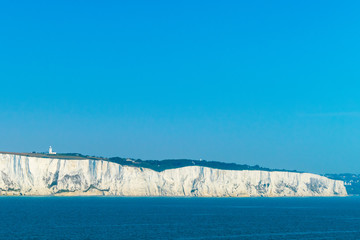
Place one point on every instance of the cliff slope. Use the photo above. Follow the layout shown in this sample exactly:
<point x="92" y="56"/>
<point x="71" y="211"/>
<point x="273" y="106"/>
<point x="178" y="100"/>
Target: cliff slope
<point x="24" y="175"/>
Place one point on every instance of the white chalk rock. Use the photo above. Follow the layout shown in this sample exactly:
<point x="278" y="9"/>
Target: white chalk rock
<point x="21" y="175"/>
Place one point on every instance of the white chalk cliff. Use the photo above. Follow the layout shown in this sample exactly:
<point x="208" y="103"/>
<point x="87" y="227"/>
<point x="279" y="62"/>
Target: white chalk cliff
<point x="21" y="175"/>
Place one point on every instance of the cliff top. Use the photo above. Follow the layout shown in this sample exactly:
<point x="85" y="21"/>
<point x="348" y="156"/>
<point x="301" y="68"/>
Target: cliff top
<point x="70" y="156"/>
<point x="156" y="165"/>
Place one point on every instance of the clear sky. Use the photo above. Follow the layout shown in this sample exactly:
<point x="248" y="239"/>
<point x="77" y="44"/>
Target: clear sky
<point x="256" y="82"/>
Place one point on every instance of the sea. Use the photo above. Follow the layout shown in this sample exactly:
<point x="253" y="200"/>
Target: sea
<point x="179" y="218"/>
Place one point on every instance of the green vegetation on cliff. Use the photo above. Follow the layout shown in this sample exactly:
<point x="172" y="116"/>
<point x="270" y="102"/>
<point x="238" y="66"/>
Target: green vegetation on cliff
<point x="156" y="165"/>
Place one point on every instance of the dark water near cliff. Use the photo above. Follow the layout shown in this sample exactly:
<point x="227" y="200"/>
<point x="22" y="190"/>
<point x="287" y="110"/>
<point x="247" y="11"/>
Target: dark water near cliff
<point x="179" y="218"/>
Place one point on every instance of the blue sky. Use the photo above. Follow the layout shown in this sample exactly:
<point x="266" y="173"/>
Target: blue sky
<point x="275" y="84"/>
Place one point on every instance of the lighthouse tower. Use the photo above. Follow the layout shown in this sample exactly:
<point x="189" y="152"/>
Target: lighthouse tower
<point x="51" y="151"/>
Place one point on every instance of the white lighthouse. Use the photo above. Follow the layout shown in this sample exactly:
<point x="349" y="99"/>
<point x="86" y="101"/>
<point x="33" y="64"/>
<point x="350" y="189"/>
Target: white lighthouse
<point x="51" y="151"/>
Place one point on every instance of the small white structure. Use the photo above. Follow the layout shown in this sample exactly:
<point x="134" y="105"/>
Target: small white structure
<point x="51" y="151"/>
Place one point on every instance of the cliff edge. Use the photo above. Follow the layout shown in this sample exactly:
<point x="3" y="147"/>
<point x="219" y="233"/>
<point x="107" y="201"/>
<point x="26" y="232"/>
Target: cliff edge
<point x="24" y="175"/>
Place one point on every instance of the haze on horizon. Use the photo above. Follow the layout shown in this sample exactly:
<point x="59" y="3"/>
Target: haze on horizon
<point x="273" y="84"/>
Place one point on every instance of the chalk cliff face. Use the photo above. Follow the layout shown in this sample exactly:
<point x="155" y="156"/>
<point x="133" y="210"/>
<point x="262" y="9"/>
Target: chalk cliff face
<point x="20" y="175"/>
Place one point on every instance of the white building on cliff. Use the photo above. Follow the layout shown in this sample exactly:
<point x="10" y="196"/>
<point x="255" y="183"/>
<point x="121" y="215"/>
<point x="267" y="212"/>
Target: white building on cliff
<point x="51" y="151"/>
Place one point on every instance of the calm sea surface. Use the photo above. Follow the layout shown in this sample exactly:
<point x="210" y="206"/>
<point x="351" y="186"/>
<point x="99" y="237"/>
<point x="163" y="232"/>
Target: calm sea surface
<point x="179" y="218"/>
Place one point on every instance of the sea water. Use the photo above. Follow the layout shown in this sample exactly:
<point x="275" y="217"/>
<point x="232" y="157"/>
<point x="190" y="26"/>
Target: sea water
<point x="179" y="218"/>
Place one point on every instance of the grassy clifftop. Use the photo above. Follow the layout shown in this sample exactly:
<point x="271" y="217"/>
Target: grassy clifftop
<point x="161" y="165"/>
<point x="73" y="156"/>
<point x="156" y="165"/>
